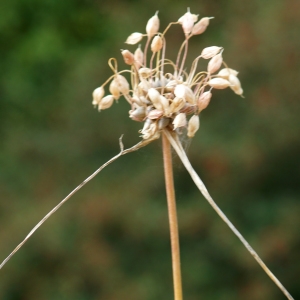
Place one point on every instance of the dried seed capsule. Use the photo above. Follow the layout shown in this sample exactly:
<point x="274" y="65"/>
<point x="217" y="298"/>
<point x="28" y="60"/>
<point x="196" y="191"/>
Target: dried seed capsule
<point x="155" y="114"/>
<point x="156" y="44"/>
<point x="215" y="63"/>
<point x="204" y="100"/>
<point x="224" y="73"/>
<point x="145" y="72"/>
<point x="134" y="38"/>
<point x="138" y="57"/>
<point x="187" y="21"/>
<point x="98" y="94"/>
<point x="176" y="105"/>
<point x="210" y="52"/>
<point x="201" y="26"/>
<point x="106" y="102"/>
<point x="235" y="84"/>
<point x="152" y="26"/>
<point x="128" y="57"/>
<point x="138" y="114"/>
<point x="194" y="124"/>
<point x="179" y="121"/>
<point x="154" y="96"/>
<point x="219" y="83"/>
<point x="182" y="91"/>
<point x="119" y="85"/>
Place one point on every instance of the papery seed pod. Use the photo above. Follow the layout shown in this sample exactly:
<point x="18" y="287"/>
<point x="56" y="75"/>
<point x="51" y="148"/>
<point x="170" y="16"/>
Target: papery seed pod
<point x="224" y="73"/>
<point x="106" y="102"/>
<point x="152" y="26"/>
<point x="187" y="21"/>
<point x="128" y="57"/>
<point x="145" y="72"/>
<point x="235" y="84"/>
<point x="155" y="114"/>
<point x="138" y="57"/>
<point x="194" y="124"/>
<point x="210" y="52"/>
<point x="114" y="89"/>
<point x="219" y="83"/>
<point x="156" y="44"/>
<point x="215" y="63"/>
<point x="179" y="121"/>
<point x="144" y="85"/>
<point x="119" y="85"/>
<point x="165" y="104"/>
<point x="138" y="114"/>
<point x="204" y="100"/>
<point x="201" y="26"/>
<point x="162" y="123"/>
<point x="98" y="94"/>
<point x="154" y="96"/>
<point x="134" y="38"/>
<point x="176" y="105"/>
<point x="183" y="91"/>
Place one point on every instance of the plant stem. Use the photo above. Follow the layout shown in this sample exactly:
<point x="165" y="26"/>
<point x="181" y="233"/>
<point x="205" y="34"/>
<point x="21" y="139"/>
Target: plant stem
<point x="168" y="170"/>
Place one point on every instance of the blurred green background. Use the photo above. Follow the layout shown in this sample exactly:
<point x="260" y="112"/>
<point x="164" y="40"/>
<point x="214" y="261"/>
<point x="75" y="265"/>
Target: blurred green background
<point x="111" y="240"/>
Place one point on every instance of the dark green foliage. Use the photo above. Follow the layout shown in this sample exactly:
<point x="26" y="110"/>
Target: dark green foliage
<point x="111" y="240"/>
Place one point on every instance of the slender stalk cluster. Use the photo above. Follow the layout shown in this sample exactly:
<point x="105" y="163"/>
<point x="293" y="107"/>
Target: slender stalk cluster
<point x="163" y="99"/>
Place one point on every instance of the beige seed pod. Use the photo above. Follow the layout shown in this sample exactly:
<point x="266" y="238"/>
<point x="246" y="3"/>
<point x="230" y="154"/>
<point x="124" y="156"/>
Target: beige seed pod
<point x="187" y="21"/>
<point x="128" y="57"/>
<point x="154" y="96"/>
<point x="156" y="44"/>
<point x="182" y="91"/>
<point x="134" y="38"/>
<point x="138" y="57"/>
<point x="215" y="63"/>
<point x="155" y="114"/>
<point x="145" y="72"/>
<point x="165" y="104"/>
<point x="210" y="52"/>
<point x="179" y="121"/>
<point x="114" y="89"/>
<point x="106" y="102"/>
<point x="176" y="105"/>
<point x="219" y="83"/>
<point x="204" y="100"/>
<point x="201" y="26"/>
<point x="119" y="85"/>
<point x="193" y="126"/>
<point x="235" y="84"/>
<point x="152" y="26"/>
<point x="138" y="114"/>
<point x="224" y="73"/>
<point x="98" y="94"/>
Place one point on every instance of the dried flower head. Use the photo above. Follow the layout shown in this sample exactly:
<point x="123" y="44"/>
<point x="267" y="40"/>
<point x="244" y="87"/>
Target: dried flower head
<point x="160" y="99"/>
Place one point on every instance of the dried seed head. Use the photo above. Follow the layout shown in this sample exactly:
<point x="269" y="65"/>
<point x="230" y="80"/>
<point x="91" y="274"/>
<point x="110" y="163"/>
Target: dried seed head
<point x="134" y="38"/>
<point x="204" y="100"/>
<point x="179" y="121"/>
<point x="98" y="94"/>
<point x="210" y="52"/>
<point x="138" y="57"/>
<point x="201" y="26"/>
<point x="128" y="57"/>
<point x="215" y="63"/>
<point x="219" y="83"/>
<point x="193" y="126"/>
<point x="224" y="73"/>
<point x="187" y="21"/>
<point x="156" y="44"/>
<point x="106" y="102"/>
<point x="152" y="26"/>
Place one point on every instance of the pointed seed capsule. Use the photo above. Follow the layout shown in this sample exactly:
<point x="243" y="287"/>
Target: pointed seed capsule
<point x="224" y="73"/>
<point x="134" y="38"/>
<point x="128" y="57"/>
<point x="219" y="83"/>
<point x="201" y="26"/>
<point x="215" y="63"/>
<point x="98" y="94"/>
<point x="204" y="100"/>
<point x="106" y="102"/>
<point x="179" y="121"/>
<point x="210" y="52"/>
<point x="152" y="26"/>
<point x="194" y="124"/>
<point x="156" y="44"/>
<point x="138" y="57"/>
<point x="235" y="84"/>
<point x="182" y="91"/>
<point x="187" y="21"/>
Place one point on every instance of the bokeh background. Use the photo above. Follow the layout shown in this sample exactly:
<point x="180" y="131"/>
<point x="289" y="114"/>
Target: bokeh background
<point x="111" y="240"/>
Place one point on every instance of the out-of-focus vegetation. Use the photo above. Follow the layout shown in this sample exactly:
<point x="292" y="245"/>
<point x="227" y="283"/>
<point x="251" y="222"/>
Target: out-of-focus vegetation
<point x="111" y="240"/>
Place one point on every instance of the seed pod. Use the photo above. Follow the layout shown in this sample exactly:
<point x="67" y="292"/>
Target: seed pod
<point x="145" y="72"/>
<point x="224" y="73"/>
<point x="98" y="94"/>
<point x="179" y="121"/>
<point x="138" y="57"/>
<point x="152" y="26"/>
<point x="154" y="96"/>
<point x="128" y="57"/>
<point x="138" y="114"/>
<point x="235" y="84"/>
<point x="187" y="21"/>
<point x="155" y="114"/>
<point x="176" y="105"/>
<point x="119" y="85"/>
<point x="134" y="38"/>
<point x="219" y="83"/>
<point x="210" y="52"/>
<point x="201" y="26"/>
<point x="114" y="89"/>
<point x="106" y="102"/>
<point x="204" y="100"/>
<point x="182" y="91"/>
<point x="156" y="44"/>
<point x="215" y="63"/>
<point x="194" y="124"/>
<point x="165" y="104"/>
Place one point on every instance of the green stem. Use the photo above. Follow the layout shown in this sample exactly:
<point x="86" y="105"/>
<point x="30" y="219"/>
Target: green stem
<point x="168" y="170"/>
